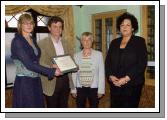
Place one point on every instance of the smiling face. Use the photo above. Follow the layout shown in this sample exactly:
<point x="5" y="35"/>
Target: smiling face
<point x="126" y="27"/>
<point x="87" y="41"/>
<point x="25" y="24"/>
<point x="56" y="29"/>
<point x="27" y="27"/>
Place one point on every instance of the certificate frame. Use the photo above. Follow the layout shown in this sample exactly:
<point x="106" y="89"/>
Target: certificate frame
<point x="65" y="63"/>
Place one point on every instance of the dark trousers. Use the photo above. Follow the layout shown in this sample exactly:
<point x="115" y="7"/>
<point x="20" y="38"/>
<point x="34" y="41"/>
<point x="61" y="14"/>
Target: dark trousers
<point x="85" y="93"/>
<point x="59" y="99"/>
<point x="127" y="97"/>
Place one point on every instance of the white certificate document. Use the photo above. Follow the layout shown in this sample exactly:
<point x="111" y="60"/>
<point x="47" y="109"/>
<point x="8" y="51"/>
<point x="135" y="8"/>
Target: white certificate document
<point x="65" y="63"/>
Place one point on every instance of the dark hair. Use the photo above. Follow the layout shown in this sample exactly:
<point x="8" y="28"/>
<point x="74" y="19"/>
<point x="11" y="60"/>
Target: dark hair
<point x="55" y="19"/>
<point x="130" y="17"/>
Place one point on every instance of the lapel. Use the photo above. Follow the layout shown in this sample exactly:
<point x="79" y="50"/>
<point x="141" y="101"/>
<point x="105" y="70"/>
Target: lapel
<point x="117" y="53"/>
<point x="51" y="47"/>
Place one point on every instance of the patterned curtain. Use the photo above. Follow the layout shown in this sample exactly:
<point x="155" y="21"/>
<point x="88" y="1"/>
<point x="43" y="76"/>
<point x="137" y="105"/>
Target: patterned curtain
<point x="63" y="11"/>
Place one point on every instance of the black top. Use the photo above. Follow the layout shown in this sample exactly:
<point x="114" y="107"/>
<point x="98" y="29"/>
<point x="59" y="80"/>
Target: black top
<point x="121" y="64"/>
<point x="131" y="60"/>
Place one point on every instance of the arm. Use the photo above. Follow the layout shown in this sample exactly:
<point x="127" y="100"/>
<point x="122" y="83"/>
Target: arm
<point x="22" y="55"/>
<point x="101" y="82"/>
<point x="139" y="69"/>
<point x="108" y="63"/>
<point x="74" y="79"/>
<point x="45" y="59"/>
<point x="110" y="75"/>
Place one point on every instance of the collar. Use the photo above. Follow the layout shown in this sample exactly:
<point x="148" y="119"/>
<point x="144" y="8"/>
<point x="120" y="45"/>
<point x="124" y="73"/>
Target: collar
<point x="55" y="41"/>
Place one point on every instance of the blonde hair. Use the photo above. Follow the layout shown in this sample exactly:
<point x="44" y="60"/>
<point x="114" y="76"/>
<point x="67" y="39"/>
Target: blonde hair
<point x="87" y="34"/>
<point x="23" y="18"/>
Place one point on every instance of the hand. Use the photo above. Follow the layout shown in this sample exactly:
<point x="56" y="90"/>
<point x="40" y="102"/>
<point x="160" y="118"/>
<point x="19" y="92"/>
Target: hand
<point x="100" y="95"/>
<point x="74" y="95"/>
<point x="58" y="72"/>
<point x="117" y="83"/>
<point x="113" y="78"/>
<point x="122" y="81"/>
<point x="54" y="66"/>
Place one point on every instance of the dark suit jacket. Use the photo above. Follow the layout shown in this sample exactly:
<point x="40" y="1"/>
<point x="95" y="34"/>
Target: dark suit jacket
<point x="133" y="60"/>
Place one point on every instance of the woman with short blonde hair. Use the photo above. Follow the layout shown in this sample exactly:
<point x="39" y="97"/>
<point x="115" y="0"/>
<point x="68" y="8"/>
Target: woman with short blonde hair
<point x="89" y="80"/>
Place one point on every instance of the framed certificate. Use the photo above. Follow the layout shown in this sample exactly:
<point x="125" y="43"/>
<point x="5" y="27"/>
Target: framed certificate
<point x="65" y="63"/>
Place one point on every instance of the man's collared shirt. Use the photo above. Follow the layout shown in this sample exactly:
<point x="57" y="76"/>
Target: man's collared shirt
<point x="58" y="46"/>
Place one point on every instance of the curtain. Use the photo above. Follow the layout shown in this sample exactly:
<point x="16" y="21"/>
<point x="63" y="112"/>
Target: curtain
<point x="63" y="11"/>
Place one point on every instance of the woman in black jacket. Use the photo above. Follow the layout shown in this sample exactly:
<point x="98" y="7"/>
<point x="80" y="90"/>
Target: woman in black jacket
<point x="125" y="64"/>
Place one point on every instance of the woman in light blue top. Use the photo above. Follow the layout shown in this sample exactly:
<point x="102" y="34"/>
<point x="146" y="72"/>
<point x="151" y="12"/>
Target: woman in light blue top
<point x="89" y="80"/>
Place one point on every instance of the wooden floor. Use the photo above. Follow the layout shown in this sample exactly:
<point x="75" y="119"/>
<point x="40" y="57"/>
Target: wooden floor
<point x="147" y="98"/>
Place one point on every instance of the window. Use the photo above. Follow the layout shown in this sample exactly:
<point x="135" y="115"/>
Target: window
<point x="104" y="29"/>
<point x="42" y="20"/>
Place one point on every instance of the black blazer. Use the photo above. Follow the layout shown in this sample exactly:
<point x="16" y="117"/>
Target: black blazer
<point x="133" y="60"/>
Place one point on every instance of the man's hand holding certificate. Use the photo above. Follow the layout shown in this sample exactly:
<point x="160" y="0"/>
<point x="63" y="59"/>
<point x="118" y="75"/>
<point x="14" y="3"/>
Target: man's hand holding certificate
<point x="65" y="63"/>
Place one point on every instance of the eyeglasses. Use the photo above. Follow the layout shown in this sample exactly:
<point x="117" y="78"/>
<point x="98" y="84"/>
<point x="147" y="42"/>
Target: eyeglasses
<point x="27" y="23"/>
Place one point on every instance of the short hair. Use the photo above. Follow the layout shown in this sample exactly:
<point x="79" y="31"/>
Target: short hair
<point x="130" y="17"/>
<point x="22" y="19"/>
<point x="86" y="34"/>
<point x="55" y="19"/>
